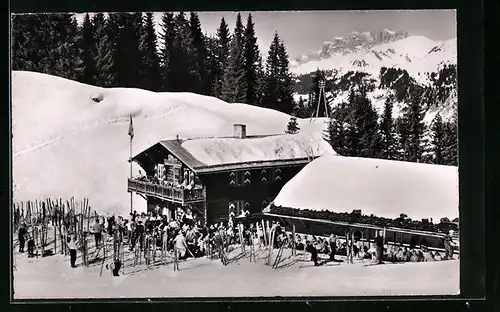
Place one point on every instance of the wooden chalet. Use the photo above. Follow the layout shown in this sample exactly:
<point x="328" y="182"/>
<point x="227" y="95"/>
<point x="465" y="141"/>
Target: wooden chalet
<point x="175" y="178"/>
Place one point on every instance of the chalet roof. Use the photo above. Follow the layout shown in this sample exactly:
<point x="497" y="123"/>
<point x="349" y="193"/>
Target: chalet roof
<point x="218" y="154"/>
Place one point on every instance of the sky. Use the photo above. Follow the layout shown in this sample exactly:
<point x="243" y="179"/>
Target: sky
<point x="305" y="31"/>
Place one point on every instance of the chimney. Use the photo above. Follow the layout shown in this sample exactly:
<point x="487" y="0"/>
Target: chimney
<point x="239" y="131"/>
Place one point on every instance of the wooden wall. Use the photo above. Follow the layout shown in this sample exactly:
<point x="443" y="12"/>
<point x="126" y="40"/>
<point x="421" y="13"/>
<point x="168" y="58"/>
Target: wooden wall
<point x="220" y="192"/>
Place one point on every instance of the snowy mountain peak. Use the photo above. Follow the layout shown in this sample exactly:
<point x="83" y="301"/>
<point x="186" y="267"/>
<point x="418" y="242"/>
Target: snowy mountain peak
<point x="353" y="42"/>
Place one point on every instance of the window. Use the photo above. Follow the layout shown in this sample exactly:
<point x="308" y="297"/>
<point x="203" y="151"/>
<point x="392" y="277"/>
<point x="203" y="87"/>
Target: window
<point x="238" y="206"/>
<point x="161" y="171"/>
<point x="269" y="175"/>
<point x="177" y="174"/>
<point x="236" y="178"/>
<point x="170" y="173"/>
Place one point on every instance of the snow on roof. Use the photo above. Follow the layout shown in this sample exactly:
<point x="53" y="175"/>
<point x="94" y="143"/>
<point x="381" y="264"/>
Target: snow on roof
<point x="219" y="151"/>
<point x="383" y="188"/>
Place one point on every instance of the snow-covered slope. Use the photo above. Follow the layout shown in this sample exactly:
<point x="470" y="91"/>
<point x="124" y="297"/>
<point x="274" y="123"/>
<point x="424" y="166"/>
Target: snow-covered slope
<point x="415" y="54"/>
<point x="65" y="143"/>
<point x="383" y="188"/>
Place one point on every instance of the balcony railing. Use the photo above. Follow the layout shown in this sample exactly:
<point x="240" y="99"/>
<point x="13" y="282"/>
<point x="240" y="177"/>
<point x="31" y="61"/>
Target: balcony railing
<point x="170" y="193"/>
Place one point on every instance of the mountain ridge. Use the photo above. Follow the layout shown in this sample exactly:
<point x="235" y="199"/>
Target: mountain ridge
<point x="369" y="51"/>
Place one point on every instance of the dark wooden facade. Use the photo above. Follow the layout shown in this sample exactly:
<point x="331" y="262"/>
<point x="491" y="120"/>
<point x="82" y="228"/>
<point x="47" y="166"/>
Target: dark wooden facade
<point x="249" y="189"/>
<point x="209" y="191"/>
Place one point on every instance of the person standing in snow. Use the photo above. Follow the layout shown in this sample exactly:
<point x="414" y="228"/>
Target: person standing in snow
<point x="379" y="242"/>
<point x="138" y="235"/>
<point x="447" y="246"/>
<point x="180" y="244"/>
<point x="97" y="231"/>
<point x="333" y="246"/>
<point x="313" y="251"/>
<point x="72" y="246"/>
<point x="21" y="235"/>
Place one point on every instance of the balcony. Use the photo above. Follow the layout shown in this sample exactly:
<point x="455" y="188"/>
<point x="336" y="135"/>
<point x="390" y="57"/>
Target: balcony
<point x="164" y="192"/>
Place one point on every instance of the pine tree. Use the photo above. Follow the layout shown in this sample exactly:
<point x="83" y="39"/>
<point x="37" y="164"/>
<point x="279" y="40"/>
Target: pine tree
<point x="222" y="55"/>
<point x="401" y="126"/>
<point x="450" y="151"/>
<point x="151" y="76"/>
<point x="47" y="43"/>
<point x="414" y="114"/>
<point x="167" y="36"/>
<point x="127" y="56"/>
<point x="286" y="102"/>
<point x="261" y="81"/>
<point x="199" y="56"/>
<point x="337" y="129"/>
<point x="271" y="95"/>
<point x="292" y="126"/>
<point x="363" y="139"/>
<point x="26" y="42"/>
<point x="211" y="63"/>
<point x="234" y="86"/>
<point x="387" y="138"/>
<point x="182" y="65"/>
<point x="438" y="133"/>
<point x="239" y="32"/>
<point x="300" y="109"/>
<point x="89" y="69"/>
<point x="251" y="63"/>
<point x="102" y="52"/>
<point x="64" y="58"/>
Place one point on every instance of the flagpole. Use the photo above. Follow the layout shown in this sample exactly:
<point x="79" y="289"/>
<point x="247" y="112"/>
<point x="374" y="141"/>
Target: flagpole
<point x="131" y="171"/>
<point x="131" y="134"/>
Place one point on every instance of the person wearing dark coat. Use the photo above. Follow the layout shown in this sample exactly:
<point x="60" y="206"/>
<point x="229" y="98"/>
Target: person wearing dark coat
<point x="31" y="248"/>
<point x="116" y="267"/>
<point x="379" y="243"/>
<point x="333" y="246"/>
<point x="314" y="252"/>
<point x="138" y="234"/>
<point x="22" y="237"/>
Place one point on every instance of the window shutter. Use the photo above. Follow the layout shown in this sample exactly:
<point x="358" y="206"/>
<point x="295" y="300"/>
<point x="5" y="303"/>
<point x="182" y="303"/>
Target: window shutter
<point x="264" y="176"/>
<point x="232" y="178"/>
<point x="277" y="174"/>
<point x="247" y="177"/>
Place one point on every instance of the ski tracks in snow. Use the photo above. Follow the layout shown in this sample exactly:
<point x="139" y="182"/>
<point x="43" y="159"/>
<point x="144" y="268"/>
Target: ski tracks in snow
<point x="91" y="125"/>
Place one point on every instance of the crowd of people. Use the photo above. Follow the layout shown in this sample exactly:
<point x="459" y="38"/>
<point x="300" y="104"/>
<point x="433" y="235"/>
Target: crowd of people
<point x="189" y="238"/>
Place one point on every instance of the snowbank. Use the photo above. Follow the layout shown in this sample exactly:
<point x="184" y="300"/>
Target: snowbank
<point x="383" y="188"/>
<point x="67" y="144"/>
<point x="218" y="151"/>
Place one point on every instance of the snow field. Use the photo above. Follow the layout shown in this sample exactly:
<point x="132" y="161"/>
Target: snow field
<point x="51" y="277"/>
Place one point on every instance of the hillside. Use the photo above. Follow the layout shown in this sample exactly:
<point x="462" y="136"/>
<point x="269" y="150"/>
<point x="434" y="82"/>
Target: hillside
<point x="70" y="139"/>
